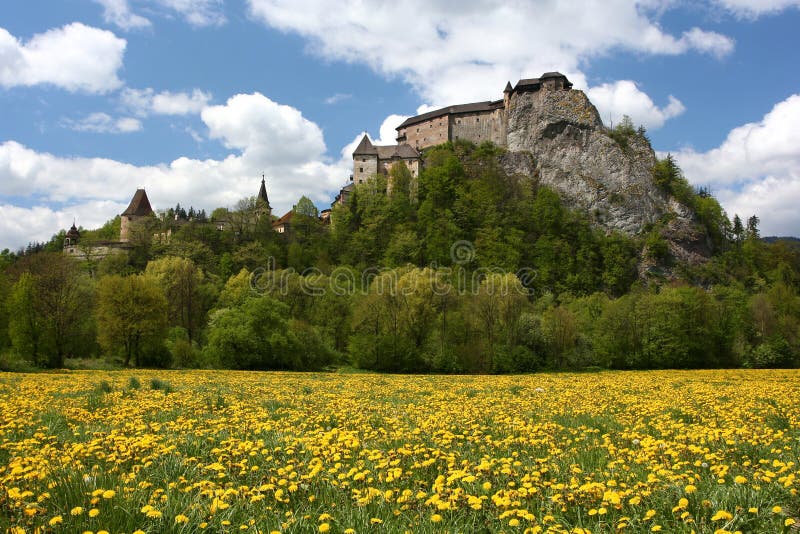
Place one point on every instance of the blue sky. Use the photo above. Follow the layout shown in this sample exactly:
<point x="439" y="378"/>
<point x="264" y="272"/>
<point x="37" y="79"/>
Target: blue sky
<point x="195" y="99"/>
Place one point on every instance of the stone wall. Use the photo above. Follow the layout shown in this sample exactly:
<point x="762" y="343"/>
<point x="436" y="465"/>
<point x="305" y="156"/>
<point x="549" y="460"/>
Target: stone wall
<point x="364" y="167"/>
<point x="432" y="132"/>
<point x="479" y="127"/>
<point x="125" y="228"/>
<point x="412" y="164"/>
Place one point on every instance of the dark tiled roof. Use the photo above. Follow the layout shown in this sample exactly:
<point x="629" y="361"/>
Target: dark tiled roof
<point x="407" y="151"/>
<point x="403" y="151"/>
<point x="365" y="148"/>
<point x="139" y="206"/>
<point x="449" y="110"/>
<point x="551" y="75"/>
<point x="286" y="219"/>
<point x="386" y="152"/>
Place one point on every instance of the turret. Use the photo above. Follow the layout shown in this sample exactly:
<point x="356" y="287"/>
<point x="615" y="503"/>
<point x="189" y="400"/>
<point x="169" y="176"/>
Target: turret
<point x="72" y="236"/>
<point x="137" y="209"/>
<point x="507" y="94"/>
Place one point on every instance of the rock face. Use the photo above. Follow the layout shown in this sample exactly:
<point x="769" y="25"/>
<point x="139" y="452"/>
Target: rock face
<point x="558" y="137"/>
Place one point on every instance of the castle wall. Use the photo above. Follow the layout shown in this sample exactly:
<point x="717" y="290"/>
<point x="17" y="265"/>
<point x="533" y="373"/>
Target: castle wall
<point x="125" y="228"/>
<point x="423" y="134"/>
<point x="364" y="167"/>
<point x="412" y="164"/>
<point x="479" y="127"/>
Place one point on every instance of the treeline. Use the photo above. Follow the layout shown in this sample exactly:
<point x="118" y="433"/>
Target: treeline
<point x="465" y="269"/>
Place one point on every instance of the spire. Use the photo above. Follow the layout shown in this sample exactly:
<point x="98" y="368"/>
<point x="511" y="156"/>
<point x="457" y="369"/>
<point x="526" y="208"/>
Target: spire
<point x="262" y="193"/>
<point x="508" y="88"/>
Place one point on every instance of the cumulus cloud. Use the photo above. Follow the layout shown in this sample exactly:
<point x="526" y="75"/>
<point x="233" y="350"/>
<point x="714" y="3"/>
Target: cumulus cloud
<point x="614" y="100"/>
<point x="21" y="225"/>
<point x="445" y="53"/>
<point x="144" y="102"/>
<point x="75" y="57"/>
<point x="103" y="123"/>
<point x="119" y="13"/>
<point x="756" y="169"/>
<point x="262" y="135"/>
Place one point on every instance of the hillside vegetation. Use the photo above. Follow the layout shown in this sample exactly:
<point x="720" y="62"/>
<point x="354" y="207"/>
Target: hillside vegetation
<point x="467" y="269"/>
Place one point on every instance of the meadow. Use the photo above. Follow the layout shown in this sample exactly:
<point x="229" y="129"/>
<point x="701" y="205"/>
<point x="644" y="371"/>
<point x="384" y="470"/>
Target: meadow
<point x="224" y="451"/>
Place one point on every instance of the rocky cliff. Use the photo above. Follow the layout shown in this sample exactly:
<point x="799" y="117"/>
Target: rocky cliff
<point x="559" y="138"/>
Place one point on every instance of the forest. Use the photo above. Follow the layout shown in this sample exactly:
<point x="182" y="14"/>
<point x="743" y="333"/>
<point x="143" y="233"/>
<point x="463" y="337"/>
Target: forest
<point x="465" y="269"/>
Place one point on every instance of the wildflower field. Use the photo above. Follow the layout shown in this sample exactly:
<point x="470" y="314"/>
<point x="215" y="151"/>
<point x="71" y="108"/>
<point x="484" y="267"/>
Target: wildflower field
<point x="160" y="451"/>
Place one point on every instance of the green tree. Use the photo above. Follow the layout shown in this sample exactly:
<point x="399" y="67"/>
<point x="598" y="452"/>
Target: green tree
<point x="259" y="334"/>
<point x="131" y="317"/>
<point x="50" y="310"/>
<point x="186" y="290"/>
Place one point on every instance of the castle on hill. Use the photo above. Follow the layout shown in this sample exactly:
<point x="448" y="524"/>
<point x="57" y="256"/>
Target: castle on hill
<point x="476" y="122"/>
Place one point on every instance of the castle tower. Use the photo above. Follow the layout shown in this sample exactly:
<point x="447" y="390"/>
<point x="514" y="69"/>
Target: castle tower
<point x="138" y="209"/>
<point x="365" y="161"/>
<point x="507" y="95"/>
<point x="72" y="237"/>
<point x="262" y="200"/>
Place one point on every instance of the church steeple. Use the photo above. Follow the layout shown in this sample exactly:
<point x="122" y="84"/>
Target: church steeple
<point x="262" y="199"/>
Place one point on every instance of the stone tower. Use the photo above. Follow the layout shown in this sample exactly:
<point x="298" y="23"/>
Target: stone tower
<point x="138" y="209"/>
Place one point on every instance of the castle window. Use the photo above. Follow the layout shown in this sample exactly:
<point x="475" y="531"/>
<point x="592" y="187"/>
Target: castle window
<point x="477" y="119"/>
<point x="361" y="169"/>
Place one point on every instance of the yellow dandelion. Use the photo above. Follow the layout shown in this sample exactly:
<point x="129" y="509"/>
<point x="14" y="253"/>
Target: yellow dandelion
<point x="722" y="515"/>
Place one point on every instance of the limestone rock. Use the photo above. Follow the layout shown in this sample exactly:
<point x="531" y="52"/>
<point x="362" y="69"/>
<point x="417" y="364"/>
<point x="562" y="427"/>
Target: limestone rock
<point x="558" y="138"/>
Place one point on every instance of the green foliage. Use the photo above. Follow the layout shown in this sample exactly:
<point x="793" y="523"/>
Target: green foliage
<point x="132" y="319"/>
<point x="259" y="334"/>
<point x="414" y="274"/>
<point x="49" y="311"/>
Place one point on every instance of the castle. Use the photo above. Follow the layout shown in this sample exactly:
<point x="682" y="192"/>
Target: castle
<point x="476" y="122"/>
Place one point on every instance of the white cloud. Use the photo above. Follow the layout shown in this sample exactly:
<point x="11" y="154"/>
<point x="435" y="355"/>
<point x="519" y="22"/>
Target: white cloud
<point x="263" y="136"/>
<point x="144" y="102"/>
<point x="467" y="54"/>
<point x="712" y="43"/>
<point x="756" y="8"/>
<point x="119" y="13"/>
<point x="75" y="57"/>
<point x="756" y="169"/>
<point x="338" y="97"/>
<point x="166" y="103"/>
<point x="613" y="100"/>
<point x="388" y="129"/>
<point x="103" y="123"/>
<point x="198" y="13"/>
<point x="21" y="226"/>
